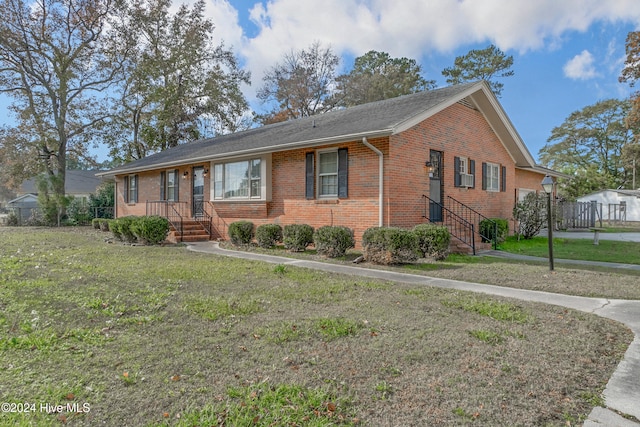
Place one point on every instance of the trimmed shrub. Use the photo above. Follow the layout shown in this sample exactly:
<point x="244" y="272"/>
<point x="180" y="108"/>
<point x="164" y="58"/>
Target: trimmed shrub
<point x="333" y="241"/>
<point x="241" y="232"/>
<point x="115" y="228"/>
<point x="390" y="245"/>
<point x="488" y="232"/>
<point x="433" y="240"/>
<point x="296" y="237"/>
<point x="121" y="228"/>
<point x="268" y="235"/>
<point x="95" y="222"/>
<point x="104" y="224"/>
<point x="151" y="230"/>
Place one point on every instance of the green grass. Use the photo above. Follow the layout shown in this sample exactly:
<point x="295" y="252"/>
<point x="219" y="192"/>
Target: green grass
<point x="580" y="249"/>
<point x="490" y="308"/>
<point x="161" y="336"/>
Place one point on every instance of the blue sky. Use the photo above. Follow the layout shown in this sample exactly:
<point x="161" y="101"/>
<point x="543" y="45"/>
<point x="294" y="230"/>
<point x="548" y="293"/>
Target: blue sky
<point x="568" y="54"/>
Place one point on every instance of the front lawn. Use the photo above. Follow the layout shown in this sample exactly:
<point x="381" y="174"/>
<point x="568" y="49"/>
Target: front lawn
<point x="149" y="336"/>
<point x="582" y="249"/>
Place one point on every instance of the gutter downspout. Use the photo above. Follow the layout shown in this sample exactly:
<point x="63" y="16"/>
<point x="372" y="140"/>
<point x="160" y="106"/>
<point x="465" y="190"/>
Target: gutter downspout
<point x="380" y="179"/>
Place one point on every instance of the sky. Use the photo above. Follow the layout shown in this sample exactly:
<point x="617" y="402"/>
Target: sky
<point x="567" y="54"/>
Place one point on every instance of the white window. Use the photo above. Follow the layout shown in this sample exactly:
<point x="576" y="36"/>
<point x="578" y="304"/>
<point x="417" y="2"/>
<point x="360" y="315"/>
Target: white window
<point x="131" y="189"/>
<point x="328" y="174"/>
<point x="463" y="165"/>
<point x="238" y="180"/>
<point x="493" y="177"/>
<point x="522" y="193"/>
<point x="466" y="178"/>
<point x="172" y="184"/>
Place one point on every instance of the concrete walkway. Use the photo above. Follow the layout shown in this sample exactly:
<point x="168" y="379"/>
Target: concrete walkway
<point x="622" y="393"/>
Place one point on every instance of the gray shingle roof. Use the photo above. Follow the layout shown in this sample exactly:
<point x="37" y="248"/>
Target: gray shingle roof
<point x="76" y="182"/>
<point x="376" y="118"/>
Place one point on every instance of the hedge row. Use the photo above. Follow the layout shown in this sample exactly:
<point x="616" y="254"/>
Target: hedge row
<point x="329" y="241"/>
<point x="382" y="245"/>
<point x="148" y="230"/>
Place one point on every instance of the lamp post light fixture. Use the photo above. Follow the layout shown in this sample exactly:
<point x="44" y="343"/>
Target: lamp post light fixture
<point x="547" y="186"/>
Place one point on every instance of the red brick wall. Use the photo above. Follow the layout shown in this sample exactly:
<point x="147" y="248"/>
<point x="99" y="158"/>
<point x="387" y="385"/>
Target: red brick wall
<point x="529" y="180"/>
<point x="289" y="205"/>
<point x="149" y="189"/>
<point x="456" y="131"/>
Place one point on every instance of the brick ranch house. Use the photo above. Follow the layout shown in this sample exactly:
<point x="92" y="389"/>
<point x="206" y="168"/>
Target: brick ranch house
<point x="447" y="155"/>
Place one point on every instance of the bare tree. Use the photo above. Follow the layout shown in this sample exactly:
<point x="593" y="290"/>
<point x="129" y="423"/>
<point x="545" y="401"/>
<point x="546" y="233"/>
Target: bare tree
<point x="177" y="80"/>
<point x="301" y="85"/>
<point x="54" y="67"/>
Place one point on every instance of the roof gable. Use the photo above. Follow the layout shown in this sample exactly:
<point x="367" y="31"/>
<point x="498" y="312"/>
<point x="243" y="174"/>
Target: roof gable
<point x="382" y="118"/>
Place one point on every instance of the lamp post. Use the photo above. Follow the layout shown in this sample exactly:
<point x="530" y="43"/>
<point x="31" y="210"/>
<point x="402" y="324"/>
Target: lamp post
<point x="547" y="185"/>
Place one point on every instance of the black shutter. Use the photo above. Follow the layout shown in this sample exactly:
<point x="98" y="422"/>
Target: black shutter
<point x="343" y="173"/>
<point x="125" y="192"/>
<point x="163" y="185"/>
<point x="309" y="176"/>
<point x="484" y="176"/>
<point x="472" y="171"/>
<point x="176" y="183"/>
<point x="503" y="179"/>
<point x="456" y="171"/>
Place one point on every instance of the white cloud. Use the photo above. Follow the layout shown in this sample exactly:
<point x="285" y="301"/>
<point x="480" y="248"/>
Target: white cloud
<point x="580" y="67"/>
<point x="412" y="28"/>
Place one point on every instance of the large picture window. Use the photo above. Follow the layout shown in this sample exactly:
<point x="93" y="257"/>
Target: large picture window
<point x="238" y="180"/>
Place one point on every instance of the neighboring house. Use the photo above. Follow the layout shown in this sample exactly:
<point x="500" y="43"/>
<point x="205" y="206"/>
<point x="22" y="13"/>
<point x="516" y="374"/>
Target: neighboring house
<point x="23" y="206"/>
<point x="78" y="183"/>
<point x="616" y="205"/>
<point x="397" y="162"/>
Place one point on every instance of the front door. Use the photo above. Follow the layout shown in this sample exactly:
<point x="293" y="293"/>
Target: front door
<point x="435" y="186"/>
<point x="198" y="192"/>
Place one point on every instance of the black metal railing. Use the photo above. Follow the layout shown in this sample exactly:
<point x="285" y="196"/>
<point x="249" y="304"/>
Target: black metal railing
<point x="476" y="218"/>
<point x="459" y="227"/>
<point x="220" y="224"/>
<point x="175" y="212"/>
<point x="205" y="220"/>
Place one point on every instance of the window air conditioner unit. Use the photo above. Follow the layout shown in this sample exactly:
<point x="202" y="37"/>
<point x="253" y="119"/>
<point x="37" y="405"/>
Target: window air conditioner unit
<point x="466" y="180"/>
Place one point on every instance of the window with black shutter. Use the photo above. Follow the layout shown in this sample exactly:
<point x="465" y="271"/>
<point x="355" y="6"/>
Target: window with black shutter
<point x="332" y="179"/>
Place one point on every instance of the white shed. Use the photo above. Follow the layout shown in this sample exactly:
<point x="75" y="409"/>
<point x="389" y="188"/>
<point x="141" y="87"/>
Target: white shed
<point x="617" y="205"/>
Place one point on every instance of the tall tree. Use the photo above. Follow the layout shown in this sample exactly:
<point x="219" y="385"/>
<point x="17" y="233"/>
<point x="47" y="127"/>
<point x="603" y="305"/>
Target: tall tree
<point x="631" y="74"/>
<point x="177" y="80"/>
<point x="376" y="76"/>
<point x="52" y="65"/>
<point x="481" y="64"/>
<point x="301" y="85"/>
<point x="589" y="144"/>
